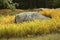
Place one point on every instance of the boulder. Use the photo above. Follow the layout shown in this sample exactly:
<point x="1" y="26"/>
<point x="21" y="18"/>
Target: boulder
<point x="29" y="16"/>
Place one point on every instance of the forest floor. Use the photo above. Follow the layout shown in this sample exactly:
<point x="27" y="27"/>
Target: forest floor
<point x="53" y="36"/>
<point x="42" y="37"/>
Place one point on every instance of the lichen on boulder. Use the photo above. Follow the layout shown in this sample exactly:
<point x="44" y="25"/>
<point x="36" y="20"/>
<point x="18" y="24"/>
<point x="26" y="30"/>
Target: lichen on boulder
<point x="29" y="16"/>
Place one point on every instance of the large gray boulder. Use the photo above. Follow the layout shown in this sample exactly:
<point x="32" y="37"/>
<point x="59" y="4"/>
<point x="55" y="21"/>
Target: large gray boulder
<point x="29" y="16"/>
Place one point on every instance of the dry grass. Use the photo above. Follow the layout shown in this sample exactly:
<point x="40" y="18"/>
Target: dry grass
<point x="9" y="29"/>
<point x="44" y="37"/>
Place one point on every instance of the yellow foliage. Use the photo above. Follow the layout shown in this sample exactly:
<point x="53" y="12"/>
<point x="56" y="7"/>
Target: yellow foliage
<point x="7" y="25"/>
<point x="6" y="19"/>
<point x="50" y="12"/>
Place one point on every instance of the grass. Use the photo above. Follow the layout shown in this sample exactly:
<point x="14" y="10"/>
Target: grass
<point x="43" y="37"/>
<point x="32" y="28"/>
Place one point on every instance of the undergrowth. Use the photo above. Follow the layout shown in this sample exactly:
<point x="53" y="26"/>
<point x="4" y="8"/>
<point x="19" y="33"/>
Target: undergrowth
<point x="37" y="27"/>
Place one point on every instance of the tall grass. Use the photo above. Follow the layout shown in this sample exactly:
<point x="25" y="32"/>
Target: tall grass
<point x="37" y="27"/>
